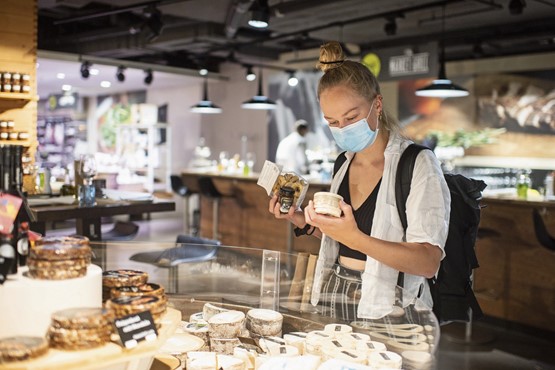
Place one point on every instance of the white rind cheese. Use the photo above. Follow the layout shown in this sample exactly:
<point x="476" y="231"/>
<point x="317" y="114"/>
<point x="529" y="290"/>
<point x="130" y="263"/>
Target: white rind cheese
<point x="349" y="355"/>
<point x="385" y="359"/>
<point x="337" y="329"/>
<point x="248" y="356"/>
<point x="308" y="362"/>
<point x="370" y="346"/>
<point x="314" y="342"/>
<point x="209" y="310"/>
<point x="196" y="317"/>
<point x="266" y="343"/>
<point x="264" y="322"/>
<point x="226" y="324"/>
<point x="212" y="361"/>
<point x="417" y="360"/>
<point x="296" y="339"/>
<point x="224" y="345"/>
<point x="283" y="351"/>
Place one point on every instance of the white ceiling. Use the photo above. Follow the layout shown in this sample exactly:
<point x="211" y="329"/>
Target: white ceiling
<point x="48" y="82"/>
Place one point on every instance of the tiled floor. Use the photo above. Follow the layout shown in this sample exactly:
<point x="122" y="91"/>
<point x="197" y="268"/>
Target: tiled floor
<point x="509" y="348"/>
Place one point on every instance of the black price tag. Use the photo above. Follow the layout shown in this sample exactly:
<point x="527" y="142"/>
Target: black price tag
<point x="136" y="327"/>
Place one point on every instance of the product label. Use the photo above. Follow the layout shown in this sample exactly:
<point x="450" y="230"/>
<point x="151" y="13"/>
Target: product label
<point x="135" y="328"/>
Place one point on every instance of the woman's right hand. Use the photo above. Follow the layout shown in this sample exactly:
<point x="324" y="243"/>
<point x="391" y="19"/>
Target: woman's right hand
<point x="295" y="216"/>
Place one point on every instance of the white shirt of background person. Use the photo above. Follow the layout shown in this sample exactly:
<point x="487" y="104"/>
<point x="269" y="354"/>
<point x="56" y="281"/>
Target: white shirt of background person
<point x="291" y="151"/>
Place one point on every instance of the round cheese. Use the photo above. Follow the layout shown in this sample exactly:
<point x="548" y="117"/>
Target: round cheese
<point x="337" y="329"/>
<point x="356" y="337"/>
<point x="226" y="324"/>
<point x="198" y="330"/>
<point x="196" y="317"/>
<point x="370" y="346"/>
<point x="417" y="360"/>
<point x="314" y="342"/>
<point x="348" y="355"/>
<point x="385" y="359"/>
<point x="247" y="355"/>
<point x="224" y="362"/>
<point x="338" y="343"/>
<point x="264" y="322"/>
<point x="209" y="310"/>
<point x="181" y="343"/>
<point x="296" y="339"/>
<point x="283" y="351"/>
<point x="270" y="342"/>
<point x="224" y="345"/>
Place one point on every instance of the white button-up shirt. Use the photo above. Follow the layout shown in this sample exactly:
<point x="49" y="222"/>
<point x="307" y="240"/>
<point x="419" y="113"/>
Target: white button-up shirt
<point x="427" y="208"/>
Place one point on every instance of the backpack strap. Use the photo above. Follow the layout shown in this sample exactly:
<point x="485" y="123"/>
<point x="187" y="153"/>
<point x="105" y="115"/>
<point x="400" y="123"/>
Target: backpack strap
<point x="341" y="158"/>
<point x="403" y="179"/>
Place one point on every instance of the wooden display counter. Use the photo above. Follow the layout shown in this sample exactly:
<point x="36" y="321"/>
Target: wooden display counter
<point x="516" y="278"/>
<point x="244" y="219"/>
<point x="110" y="356"/>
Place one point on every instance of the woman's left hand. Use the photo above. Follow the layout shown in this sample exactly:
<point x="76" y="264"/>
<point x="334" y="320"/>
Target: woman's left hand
<point x="340" y="229"/>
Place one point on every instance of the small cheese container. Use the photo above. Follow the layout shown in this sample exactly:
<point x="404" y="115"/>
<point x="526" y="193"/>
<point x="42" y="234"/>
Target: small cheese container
<point x="327" y="203"/>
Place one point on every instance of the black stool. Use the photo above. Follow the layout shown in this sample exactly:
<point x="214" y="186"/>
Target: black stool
<point x="121" y="231"/>
<point x="207" y="189"/>
<point x="188" y="249"/>
<point x="183" y="191"/>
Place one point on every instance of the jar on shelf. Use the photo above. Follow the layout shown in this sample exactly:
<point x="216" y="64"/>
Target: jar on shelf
<point x="16" y="82"/>
<point x="6" y="82"/>
<point x="25" y="83"/>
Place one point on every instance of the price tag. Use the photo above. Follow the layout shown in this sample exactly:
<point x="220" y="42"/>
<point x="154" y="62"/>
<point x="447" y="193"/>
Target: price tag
<point x="136" y="327"/>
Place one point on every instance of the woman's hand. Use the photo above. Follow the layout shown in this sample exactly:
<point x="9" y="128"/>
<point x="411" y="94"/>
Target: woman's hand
<point x="341" y="229"/>
<point x="295" y="216"/>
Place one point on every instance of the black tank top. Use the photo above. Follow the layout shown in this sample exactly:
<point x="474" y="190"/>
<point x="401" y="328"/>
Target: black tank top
<point x="363" y="215"/>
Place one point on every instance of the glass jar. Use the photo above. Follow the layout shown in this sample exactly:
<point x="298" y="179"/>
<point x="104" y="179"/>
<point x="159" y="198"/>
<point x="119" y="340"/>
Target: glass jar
<point x="286" y="198"/>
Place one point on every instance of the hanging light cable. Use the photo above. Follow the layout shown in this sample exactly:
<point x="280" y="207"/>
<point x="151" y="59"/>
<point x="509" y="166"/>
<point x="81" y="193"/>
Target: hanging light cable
<point x="442" y="87"/>
<point x="259" y="101"/>
<point x="205" y="106"/>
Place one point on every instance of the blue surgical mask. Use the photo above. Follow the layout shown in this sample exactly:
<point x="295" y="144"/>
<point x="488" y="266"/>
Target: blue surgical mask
<point x="356" y="136"/>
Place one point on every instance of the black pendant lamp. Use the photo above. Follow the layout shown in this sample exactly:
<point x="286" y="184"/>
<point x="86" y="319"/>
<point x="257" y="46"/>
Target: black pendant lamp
<point x="259" y="101"/>
<point x="442" y="87"/>
<point x="205" y="106"/>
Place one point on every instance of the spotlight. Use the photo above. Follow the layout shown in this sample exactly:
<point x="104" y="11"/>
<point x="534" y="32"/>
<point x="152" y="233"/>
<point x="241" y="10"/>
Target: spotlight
<point x="85" y="69"/>
<point x="203" y="72"/>
<point x="148" y="77"/>
<point x="120" y="74"/>
<point x="390" y="27"/>
<point x="516" y="6"/>
<point x="154" y="22"/>
<point x="260" y="14"/>
<point x="251" y="76"/>
<point x="293" y="80"/>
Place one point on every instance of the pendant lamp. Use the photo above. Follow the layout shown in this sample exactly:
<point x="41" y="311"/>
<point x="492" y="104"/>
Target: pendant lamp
<point x="206" y="106"/>
<point x="259" y="101"/>
<point x="442" y="87"/>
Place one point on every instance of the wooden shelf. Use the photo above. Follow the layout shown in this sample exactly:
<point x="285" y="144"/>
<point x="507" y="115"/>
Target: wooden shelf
<point x="15" y="100"/>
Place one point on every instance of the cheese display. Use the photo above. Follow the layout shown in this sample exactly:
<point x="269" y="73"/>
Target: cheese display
<point x="296" y="339"/>
<point x="120" y="278"/>
<point x="197" y="317"/>
<point x="212" y="361"/>
<point x="337" y="329"/>
<point x="385" y="359"/>
<point x="315" y="340"/>
<point x="264" y="322"/>
<point x="210" y="310"/>
<point x="370" y="346"/>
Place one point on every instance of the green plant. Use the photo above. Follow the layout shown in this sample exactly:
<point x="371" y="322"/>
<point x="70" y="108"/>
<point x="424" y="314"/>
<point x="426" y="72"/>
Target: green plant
<point x="466" y="139"/>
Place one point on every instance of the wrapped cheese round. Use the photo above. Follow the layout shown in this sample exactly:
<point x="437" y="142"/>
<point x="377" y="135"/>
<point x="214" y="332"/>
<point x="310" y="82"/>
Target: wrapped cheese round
<point x="82" y="318"/>
<point x="264" y="322"/>
<point x="356" y="337"/>
<point x="198" y="330"/>
<point x="315" y="340"/>
<point x="296" y="339"/>
<point x="145" y="289"/>
<point x="266" y="343"/>
<point x="417" y="360"/>
<point x="247" y="355"/>
<point x="226" y="324"/>
<point x="338" y="343"/>
<point x="283" y="351"/>
<point x="349" y="355"/>
<point x="385" y="359"/>
<point x="210" y="310"/>
<point x="370" y="346"/>
<point x="22" y="348"/>
<point x="335" y="329"/>
<point x="196" y="317"/>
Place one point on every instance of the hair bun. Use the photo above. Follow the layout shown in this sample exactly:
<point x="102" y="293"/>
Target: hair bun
<point x="331" y="56"/>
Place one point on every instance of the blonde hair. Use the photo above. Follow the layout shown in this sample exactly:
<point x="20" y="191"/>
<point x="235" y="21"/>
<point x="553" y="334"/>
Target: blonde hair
<point x="356" y="76"/>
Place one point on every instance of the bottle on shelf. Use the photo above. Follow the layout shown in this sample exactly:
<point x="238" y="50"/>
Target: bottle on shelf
<point x="549" y="186"/>
<point x="523" y="184"/>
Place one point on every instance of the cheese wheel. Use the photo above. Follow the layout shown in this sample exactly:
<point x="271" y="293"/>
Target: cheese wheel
<point x="335" y="364"/>
<point x="224" y="345"/>
<point x="348" y="355"/>
<point x="385" y="359"/>
<point x="270" y="342"/>
<point x="224" y="362"/>
<point x="226" y="324"/>
<point x="209" y="310"/>
<point x="314" y="342"/>
<point x="283" y="351"/>
<point x="196" y="317"/>
<point x="338" y="343"/>
<point x="417" y="360"/>
<point x="296" y="339"/>
<point x="370" y="346"/>
<point x="264" y="322"/>
<point x="308" y="362"/>
<point x="201" y="361"/>
<point x="198" y="330"/>
<point x="336" y="329"/>
<point x="356" y="337"/>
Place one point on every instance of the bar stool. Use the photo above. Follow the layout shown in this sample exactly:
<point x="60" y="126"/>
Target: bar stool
<point x="121" y="231"/>
<point x="183" y="191"/>
<point x="542" y="234"/>
<point x="207" y="189"/>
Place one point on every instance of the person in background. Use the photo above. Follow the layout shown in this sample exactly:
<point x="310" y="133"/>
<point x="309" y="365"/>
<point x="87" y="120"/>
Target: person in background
<point x="291" y="151"/>
<point x="362" y="252"/>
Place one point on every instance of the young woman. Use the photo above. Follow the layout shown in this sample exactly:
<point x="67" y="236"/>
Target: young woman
<point x="366" y="245"/>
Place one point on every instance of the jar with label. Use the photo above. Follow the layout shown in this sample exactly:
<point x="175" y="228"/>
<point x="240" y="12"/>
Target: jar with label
<point x="6" y="82"/>
<point x="16" y="82"/>
<point x="285" y="198"/>
<point x="25" y="83"/>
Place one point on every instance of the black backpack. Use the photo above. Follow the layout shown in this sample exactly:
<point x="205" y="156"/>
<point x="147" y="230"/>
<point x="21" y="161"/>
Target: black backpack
<point x="452" y="289"/>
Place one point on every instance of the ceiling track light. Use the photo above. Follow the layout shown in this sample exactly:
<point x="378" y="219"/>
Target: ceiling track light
<point x="120" y="74"/>
<point x="259" y="101"/>
<point x="86" y="69"/>
<point x="260" y="14"/>
<point x="250" y="76"/>
<point x="442" y="87"/>
<point x="292" y="80"/>
<point x="516" y="6"/>
<point x="148" y="77"/>
<point x="205" y="106"/>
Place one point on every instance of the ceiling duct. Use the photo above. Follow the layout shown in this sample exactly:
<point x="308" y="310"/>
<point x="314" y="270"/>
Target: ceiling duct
<point x="235" y="16"/>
